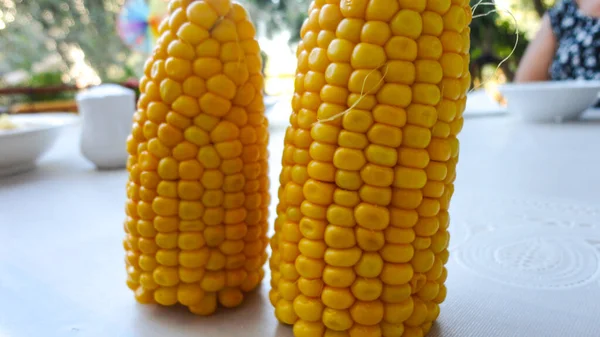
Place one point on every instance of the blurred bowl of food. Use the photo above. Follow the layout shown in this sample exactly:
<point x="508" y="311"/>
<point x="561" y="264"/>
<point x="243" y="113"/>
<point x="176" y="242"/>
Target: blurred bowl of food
<point x="25" y="138"/>
<point x="550" y="101"/>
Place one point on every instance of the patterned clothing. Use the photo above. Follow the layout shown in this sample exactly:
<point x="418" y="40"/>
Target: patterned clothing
<point x="578" y="37"/>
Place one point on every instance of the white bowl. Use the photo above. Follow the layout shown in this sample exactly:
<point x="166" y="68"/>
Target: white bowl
<point x="554" y="101"/>
<point x="21" y="148"/>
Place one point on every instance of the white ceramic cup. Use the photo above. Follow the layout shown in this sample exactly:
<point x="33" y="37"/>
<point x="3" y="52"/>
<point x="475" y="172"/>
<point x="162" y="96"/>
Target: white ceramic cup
<point x="107" y="116"/>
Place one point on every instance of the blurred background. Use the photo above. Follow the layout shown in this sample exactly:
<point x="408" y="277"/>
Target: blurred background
<point x="51" y="48"/>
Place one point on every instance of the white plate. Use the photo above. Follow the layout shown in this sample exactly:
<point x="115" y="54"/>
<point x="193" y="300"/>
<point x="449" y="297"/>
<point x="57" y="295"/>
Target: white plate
<point x="550" y="101"/>
<point x="21" y="148"/>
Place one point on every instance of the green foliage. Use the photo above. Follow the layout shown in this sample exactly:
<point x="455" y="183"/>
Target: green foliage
<point x="45" y="28"/>
<point x="46" y="79"/>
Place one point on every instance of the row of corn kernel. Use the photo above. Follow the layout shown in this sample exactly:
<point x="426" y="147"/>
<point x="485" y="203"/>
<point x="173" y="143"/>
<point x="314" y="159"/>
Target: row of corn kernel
<point x="443" y="64"/>
<point x="198" y="191"/>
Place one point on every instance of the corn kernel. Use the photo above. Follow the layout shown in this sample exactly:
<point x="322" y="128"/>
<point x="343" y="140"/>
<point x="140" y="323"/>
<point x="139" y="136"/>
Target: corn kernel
<point x="321" y="171"/>
<point x="390" y="329"/>
<point x="398" y="311"/>
<point x="376" y="175"/>
<point x="309" y="268"/>
<point x="349" y="159"/>
<point x="324" y="38"/>
<point x="357" y="121"/>
<point x="352" y="140"/>
<point x="408" y="199"/>
<point x="396" y="274"/>
<point x="452" y="64"/>
<point x="342" y="257"/>
<point x="166" y="296"/>
<point x="381" y="155"/>
<point x="419" y="314"/>
<point x="364" y="81"/>
<point x="325" y="133"/>
<point x="385" y="135"/>
<point x="372" y="217"/>
<point x="312" y="248"/>
<point x="397" y="253"/>
<point x="427" y="226"/>
<point x="190" y="275"/>
<point x="334" y="94"/>
<point x="207" y="305"/>
<point x="202" y="14"/>
<point x="421" y="243"/>
<point x="308" y="309"/>
<point x="426" y="93"/>
<point x="285" y="312"/>
<point x="350" y="29"/>
<point x="177" y="68"/>
<point x="368" y="55"/>
<point x="191" y="241"/>
<point x="363" y="330"/>
<point x="364" y="102"/>
<point x="312" y="229"/>
<point x="329" y="17"/>
<point x="397" y="294"/>
<point x="307" y="329"/>
<point x="395" y="94"/>
<point x="455" y="19"/>
<point x="169" y="135"/>
<point x="338" y="74"/>
<point x="340" y="216"/>
<point x="346" y="198"/>
<point x="367" y="289"/>
<point x="370" y="240"/>
<point x="407" y="23"/>
<point x="178" y="120"/>
<point x="430" y="47"/>
<point x="311" y="288"/>
<point x="165" y="224"/>
<point x="318" y="192"/>
<point x="194" y="259"/>
<point x="429" y="291"/>
<point x="166" y="276"/>
<point x="337" y="298"/>
<point x="336" y="320"/>
<point x="367" y="313"/>
<point x="375" y="32"/>
<point x="339" y="237"/>
<point x="401" y="48"/>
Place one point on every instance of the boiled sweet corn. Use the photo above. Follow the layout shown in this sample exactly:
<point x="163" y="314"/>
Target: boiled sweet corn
<point x="198" y="189"/>
<point x="361" y="239"/>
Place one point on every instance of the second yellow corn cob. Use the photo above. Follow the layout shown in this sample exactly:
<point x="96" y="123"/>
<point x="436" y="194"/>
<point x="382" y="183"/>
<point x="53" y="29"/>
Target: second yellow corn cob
<point x="369" y="163"/>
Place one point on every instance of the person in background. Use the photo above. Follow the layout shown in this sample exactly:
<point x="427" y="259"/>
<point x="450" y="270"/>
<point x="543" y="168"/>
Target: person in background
<point x="567" y="46"/>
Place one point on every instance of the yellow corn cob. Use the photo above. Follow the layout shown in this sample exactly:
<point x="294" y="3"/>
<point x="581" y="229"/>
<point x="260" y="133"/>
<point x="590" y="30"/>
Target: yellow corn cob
<point x="198" y="187"/>
<point x="369" y="163"/>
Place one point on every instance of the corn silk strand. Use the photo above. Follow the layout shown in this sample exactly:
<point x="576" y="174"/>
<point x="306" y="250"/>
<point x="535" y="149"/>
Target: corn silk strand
<point x="514" y="49"/>
<point x="363" y="94"/>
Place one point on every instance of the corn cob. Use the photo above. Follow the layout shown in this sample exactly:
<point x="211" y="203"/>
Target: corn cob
<point x="360" y="242"/>
<point x="198" y="188"/>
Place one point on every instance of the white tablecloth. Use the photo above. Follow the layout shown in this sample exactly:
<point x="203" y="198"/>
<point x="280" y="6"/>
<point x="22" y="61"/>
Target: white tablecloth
<point x="525" y="258"/>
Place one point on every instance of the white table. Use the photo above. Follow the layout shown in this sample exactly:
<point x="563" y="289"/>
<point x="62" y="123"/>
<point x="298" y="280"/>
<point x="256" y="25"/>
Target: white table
<point x="525" y="257"/>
